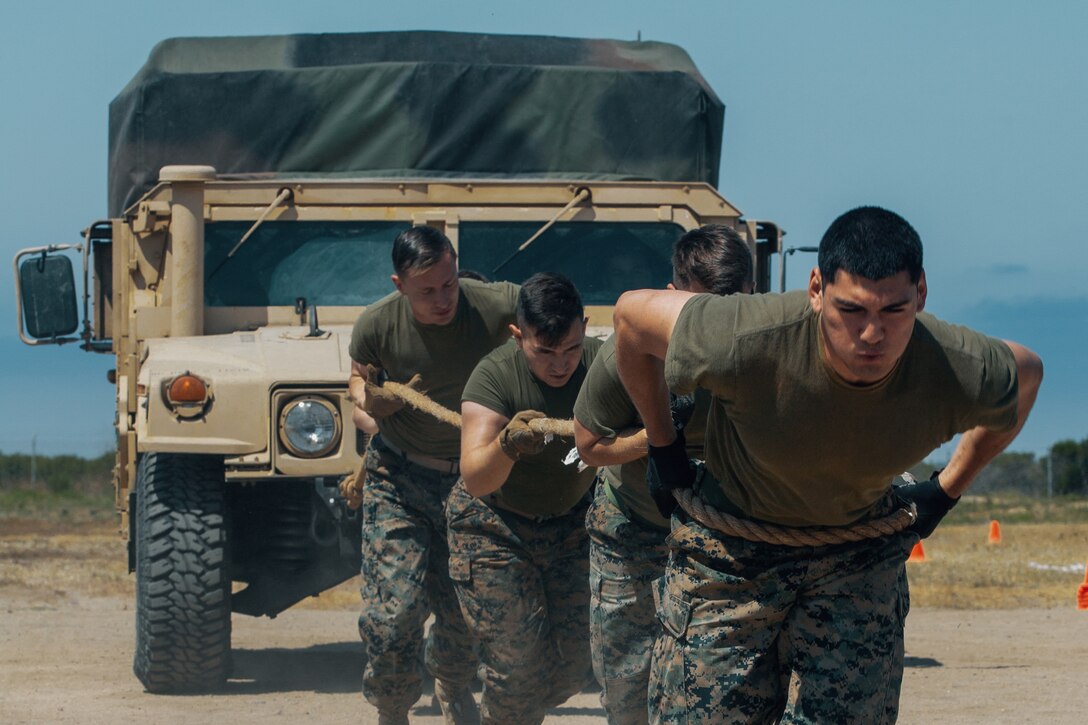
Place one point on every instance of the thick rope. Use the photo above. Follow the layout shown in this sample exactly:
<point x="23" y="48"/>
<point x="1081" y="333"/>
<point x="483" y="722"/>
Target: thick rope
<point x="351" y="486"/>
<point x="419" y="401"/>
<point x="415" y="399"/>
<point x="789" y="536"/>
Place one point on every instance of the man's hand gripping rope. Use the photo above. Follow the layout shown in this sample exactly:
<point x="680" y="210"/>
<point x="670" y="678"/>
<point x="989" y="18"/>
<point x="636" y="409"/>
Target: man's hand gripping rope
<point x="395" y="396"/>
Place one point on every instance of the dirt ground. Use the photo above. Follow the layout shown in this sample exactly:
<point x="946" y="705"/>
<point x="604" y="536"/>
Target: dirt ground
<point x="70" y="662"/>
<point x="66" y="634"/>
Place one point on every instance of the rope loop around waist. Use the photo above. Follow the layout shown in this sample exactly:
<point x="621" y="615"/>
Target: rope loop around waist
<point x="710" y="517"/>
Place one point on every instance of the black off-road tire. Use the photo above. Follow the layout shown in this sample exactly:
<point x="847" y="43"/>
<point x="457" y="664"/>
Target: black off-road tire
<point x="182" y="574"/>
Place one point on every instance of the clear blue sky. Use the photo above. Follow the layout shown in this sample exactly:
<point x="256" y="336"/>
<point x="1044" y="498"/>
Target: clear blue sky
<point x="968" y="118"/>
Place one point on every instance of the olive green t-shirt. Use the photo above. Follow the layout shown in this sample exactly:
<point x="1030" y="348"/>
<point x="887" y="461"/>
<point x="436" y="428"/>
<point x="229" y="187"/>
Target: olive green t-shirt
<point x="789" y="441"/>
<point x="502" y="382"/>
<point x="605" y="409"/>
<point x="388" y="336"/>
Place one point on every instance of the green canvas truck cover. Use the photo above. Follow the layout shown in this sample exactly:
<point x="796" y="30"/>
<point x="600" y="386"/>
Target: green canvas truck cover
<point x="414" y="104"/>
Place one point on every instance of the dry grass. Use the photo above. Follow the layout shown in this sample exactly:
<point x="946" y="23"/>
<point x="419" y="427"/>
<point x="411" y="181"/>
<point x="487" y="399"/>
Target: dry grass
<point x="46" y="561"/>
<point x="962" y="570"/>
<point x="67" y="554"/>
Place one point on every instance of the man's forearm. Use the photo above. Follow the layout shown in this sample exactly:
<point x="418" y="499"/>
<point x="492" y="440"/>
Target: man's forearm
<point x="485" y="468"/>
<point x="644" y="378"/>
<point x="357" y="384"/>
<point x="642" y="341"/>
<point x="628" y="445"/>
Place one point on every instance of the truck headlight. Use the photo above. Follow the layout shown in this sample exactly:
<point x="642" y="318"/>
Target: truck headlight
<point x="309" y="427"/>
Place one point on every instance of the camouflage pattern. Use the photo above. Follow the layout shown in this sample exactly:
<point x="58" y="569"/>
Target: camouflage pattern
<point x="625" y="557"/>
<point x="763" y="633"/>
<point x="405" y="578"/>
<point x="523" y="585"/>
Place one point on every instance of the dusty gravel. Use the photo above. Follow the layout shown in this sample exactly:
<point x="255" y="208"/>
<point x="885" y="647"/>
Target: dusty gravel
<point x="70" y="662"/>
<point x="66" y="633"/>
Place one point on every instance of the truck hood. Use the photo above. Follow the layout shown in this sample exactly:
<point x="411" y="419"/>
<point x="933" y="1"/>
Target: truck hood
<point x="272" y="354"/>
<point x="243" y="371"/>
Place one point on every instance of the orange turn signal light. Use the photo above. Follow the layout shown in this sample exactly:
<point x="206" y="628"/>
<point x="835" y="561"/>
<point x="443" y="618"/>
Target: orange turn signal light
<point x="187" y="389"/>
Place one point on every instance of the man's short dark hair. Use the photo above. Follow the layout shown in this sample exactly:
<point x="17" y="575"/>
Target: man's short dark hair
<point x="870" y="242"/>
<point x="471" y="274"/>
<point x="419" y="248"/>
<point x="549" y="303"/>
<point x="715" y="256"/>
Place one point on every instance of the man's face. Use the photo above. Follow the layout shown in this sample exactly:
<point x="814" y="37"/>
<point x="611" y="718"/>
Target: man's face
<point x="431" y="292"/>
<point x="865" y="325"/>
<point x="552" y="364"/>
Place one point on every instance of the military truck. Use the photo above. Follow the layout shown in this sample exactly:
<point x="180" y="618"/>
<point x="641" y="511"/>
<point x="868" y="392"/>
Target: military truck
<point x="255" y="187"/>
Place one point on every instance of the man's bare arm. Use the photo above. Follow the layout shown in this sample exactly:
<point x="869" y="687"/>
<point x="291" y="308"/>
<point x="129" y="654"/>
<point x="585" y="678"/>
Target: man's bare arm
<point x="484" y="466"/>
<point x="979" y="446"/>
<point x="644" y="320"/>
<point x="595" y="450"/>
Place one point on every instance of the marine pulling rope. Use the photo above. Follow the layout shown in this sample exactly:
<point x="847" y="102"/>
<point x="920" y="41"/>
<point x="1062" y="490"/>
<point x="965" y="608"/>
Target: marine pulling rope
<point x="694" y="506"/>
<point x="351" y="487"/>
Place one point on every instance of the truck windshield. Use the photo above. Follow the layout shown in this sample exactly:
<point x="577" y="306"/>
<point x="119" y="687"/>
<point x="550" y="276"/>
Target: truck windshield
<point x="328" y="263"/>
<point x="603" y="259"/>
<point x="348" y="263"/>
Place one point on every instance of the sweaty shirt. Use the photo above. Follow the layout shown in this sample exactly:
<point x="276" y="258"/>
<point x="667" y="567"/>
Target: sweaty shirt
<point x="388" y="336"/>
<point x="789" y="441"/>
<point x="540" y="484"/>
<point x="605" y="409"/>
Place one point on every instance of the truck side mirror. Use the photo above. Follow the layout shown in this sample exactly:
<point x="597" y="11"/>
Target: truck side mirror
<point x="47" y="291"/>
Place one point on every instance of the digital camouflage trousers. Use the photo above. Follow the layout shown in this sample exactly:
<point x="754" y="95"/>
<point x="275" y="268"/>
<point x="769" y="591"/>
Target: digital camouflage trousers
<point x="406" y="578"/>
<point x="523" y="584"/>
<point x="759" y="633"/>
<point x="625" y="557"/>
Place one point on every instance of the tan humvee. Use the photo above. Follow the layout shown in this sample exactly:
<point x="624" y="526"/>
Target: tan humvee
<point x="228" y="303"/>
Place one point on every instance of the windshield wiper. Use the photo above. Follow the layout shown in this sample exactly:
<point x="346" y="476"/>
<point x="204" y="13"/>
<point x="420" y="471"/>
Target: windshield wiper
<point x="282" y="198"/>
<point x="579" y="197"/>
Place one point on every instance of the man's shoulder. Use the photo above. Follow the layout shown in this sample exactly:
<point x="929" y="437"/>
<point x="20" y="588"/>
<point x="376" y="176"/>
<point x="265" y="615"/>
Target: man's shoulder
<point x="936" y="331"/>
<point x="492" y="373"/>
<point x="501" y="355"/>
<point x="487" y="294"/>
<point x="605" y="355"/>
<point x="740" y="315"/>
<point x="968" y="368"/>
<point x="957" y="342"/>
<point x="592" y="347"/>
<point x="602" y="375"/>
<point x="384" y="310"/>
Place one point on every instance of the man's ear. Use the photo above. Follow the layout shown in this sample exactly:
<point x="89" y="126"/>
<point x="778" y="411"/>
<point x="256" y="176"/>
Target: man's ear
<point x="397" y="283"/>
<point x="923" y="290"/>
<point x="515" y="332"/>
<point x="815" y="290"/>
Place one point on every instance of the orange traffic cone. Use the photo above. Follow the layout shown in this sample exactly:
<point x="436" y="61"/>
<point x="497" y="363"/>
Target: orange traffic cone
<point x="995" y="533"/>
<point x="918" y="553"/>
<point x="1082" y="592"/>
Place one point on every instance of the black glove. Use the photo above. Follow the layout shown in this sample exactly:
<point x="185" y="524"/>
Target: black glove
<point x="682" y="407"/>
<point x="930" y="499"/>
<point x="668" y="468"/>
